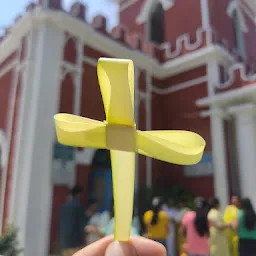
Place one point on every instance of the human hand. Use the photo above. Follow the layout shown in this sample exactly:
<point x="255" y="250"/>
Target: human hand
<point x="137" y="246"/>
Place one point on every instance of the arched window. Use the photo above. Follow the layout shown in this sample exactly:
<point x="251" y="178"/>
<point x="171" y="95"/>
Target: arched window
<point x="101" y="159"/>
<point x="156" y="24"/>
<point x="238" y="34"/>
<point x="239" y="26"/>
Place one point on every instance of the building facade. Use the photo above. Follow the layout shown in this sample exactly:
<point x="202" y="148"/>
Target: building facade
<point x="194" y="69"/>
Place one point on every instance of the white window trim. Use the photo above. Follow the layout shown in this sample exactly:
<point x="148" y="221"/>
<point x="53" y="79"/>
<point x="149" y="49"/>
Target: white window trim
<point x="147" y="7"/>
<point x="3" y="147"/>
<point x="234" y="5"/>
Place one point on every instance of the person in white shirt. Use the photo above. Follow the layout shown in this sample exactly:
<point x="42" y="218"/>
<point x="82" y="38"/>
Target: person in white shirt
<point x="172" y="212"/>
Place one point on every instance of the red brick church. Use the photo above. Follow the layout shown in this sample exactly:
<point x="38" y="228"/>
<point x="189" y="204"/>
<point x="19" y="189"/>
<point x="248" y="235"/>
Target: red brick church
<point x="195" y="64"/>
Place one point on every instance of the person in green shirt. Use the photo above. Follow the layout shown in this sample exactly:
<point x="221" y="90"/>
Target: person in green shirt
<point x="246" y="228"/>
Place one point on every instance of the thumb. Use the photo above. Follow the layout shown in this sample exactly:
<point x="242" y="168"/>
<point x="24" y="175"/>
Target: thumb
<point x="120" y="249"/>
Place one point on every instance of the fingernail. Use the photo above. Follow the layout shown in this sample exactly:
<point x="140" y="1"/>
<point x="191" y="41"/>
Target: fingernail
<point x="120" y="249"/>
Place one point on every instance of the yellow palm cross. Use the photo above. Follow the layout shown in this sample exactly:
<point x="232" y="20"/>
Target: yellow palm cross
<point x="118" y="134"/>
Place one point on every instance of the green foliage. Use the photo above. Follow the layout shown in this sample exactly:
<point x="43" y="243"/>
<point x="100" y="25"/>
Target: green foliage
<point x="9" y="245"/>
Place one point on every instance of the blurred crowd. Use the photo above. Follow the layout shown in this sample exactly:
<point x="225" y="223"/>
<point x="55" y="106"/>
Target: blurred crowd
<point x="201" y="231"/>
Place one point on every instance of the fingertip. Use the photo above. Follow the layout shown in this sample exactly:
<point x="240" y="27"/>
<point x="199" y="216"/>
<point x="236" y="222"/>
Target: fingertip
<point x="120" y="249"/>
<point x="96" y="249"/>
<point x="147" y="247"/>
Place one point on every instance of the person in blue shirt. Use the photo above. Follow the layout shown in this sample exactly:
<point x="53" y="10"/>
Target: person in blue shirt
<point x="72" y="223"/>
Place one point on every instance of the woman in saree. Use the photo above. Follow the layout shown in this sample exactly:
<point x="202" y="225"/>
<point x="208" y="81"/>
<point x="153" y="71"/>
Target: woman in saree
<point x="218" y="239"/>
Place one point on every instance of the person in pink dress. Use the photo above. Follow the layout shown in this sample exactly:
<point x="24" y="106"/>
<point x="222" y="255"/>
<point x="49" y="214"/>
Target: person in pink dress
<point x="195" y="227"/>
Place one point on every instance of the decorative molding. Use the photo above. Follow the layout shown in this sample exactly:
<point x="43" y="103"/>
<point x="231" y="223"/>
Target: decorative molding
<point x="3" y="149"/>
<point x="226" y="98"/>
<point x="180" y="86"/>
<point x="149" y="5"/>
<point x="11" y="40"/>
<point x="120" y="43"/>
<point x="246" y="9"/>
<point x="78" y="77"/>
<point x="90" y="61"/>
<point x="252" y="6"/>
<point x="235" y="6"/>
<point x="237" y="74"/>
<point x="69" y="68"/>
<point x="127" y="4"/>
<point x="214" y="112"/>
<point x="8" y="67"/>
<point x="243" y="109"/>
<point x="118" y="47"/>
<point x="136" y="117"/>
<point x="10" y="121"/>
<point x="184" y="44"/>
<point x="17" y="176"/>
<point x="148" y="110"/>
<point x="205" y="14"/>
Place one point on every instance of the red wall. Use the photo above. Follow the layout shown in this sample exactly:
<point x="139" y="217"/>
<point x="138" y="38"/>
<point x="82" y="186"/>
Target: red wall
<point x="128" y="17"/>
<point x="175" y="22"/>
<point x="184" y="17"/>
<point x="179" y="111"/>
<point x="221" y="22"/>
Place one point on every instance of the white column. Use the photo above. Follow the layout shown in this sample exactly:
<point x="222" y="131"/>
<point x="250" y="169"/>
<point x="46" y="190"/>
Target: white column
<point x="205" y="14"/>
<point x="219" y="155"/>
<point x="78" y="77"/>
<point x="136" y="115"/>
<point x="148" y="126"/>
<point x="221" y="182"/>
<point x="246" y="146"/>
<point x="33" y="195"/>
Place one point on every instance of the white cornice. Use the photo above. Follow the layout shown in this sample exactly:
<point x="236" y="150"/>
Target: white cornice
<point x="247" y="108"/>
<point x="12" y="42"/>
<point x="91" y="37"/>
<point x="229" y="97"/>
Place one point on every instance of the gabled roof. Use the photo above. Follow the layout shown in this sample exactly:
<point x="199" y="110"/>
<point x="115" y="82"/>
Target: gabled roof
<point x="149" y="5"/>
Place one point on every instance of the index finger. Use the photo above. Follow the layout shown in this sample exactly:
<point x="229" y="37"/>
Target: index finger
<point x="147" y="247"/>
<point x="96" y="249"/>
